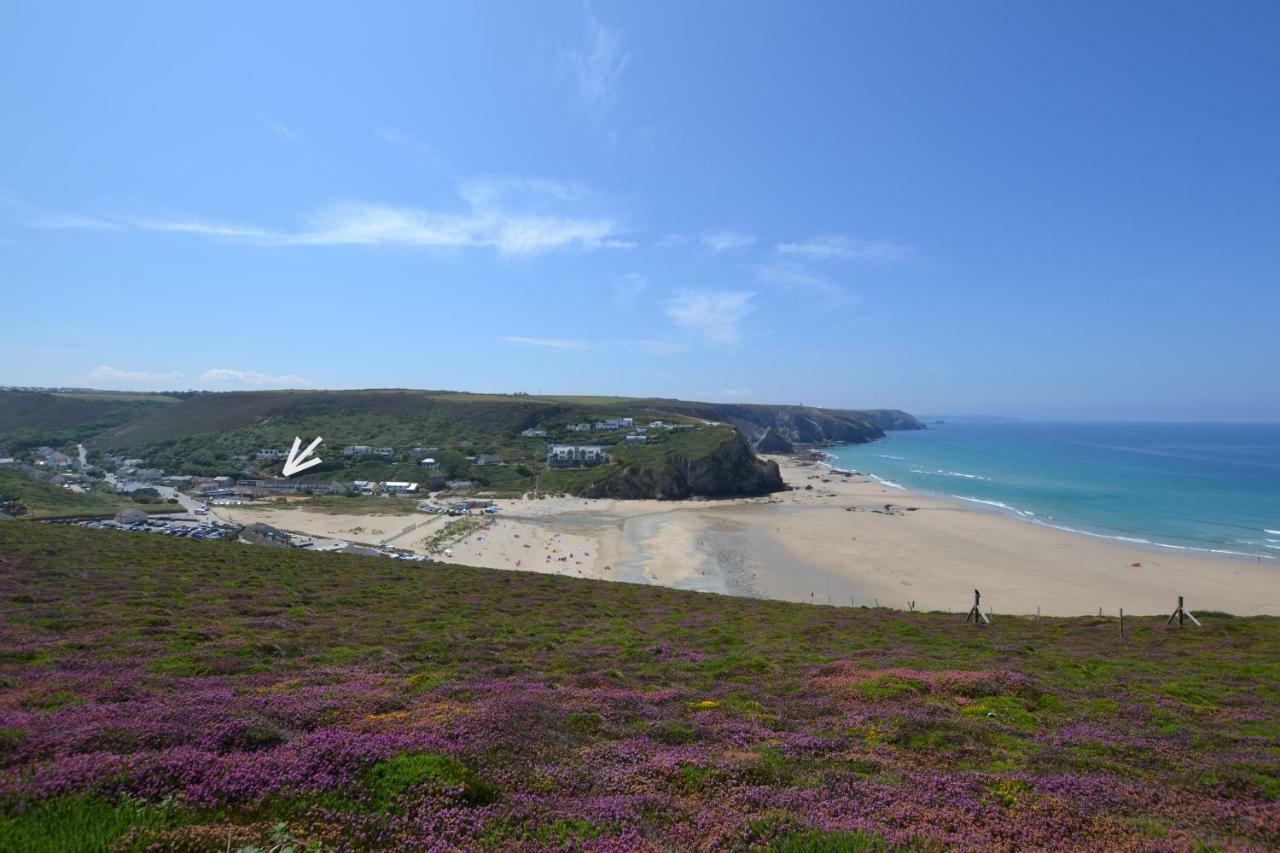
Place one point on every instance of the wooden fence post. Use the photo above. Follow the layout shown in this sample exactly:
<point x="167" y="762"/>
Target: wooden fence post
<point x="975" y="612"/>
<point x="1182" y="614"/>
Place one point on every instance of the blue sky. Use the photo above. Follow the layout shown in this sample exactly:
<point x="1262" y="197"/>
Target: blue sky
<point x="1030" y="209"/>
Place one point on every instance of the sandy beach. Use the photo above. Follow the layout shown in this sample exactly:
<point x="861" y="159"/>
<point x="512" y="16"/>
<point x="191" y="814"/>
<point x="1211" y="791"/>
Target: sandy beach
<point x="834" y="539"/>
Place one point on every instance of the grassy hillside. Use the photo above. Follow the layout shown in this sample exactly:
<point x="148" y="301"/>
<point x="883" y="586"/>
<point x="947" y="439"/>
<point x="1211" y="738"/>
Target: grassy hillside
<point x="45" y="500"/>
<point x="30" y="418"/>
<point x="204" y="695"/>
<point x="205" y="433"/>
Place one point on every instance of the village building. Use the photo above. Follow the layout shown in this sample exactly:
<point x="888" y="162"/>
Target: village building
<point x="534" y="433"/>
<point x="357" y="450"/>
<point x="576" y="455"/>
<point x="270" y="453"/>
<point x="483" y="459"/>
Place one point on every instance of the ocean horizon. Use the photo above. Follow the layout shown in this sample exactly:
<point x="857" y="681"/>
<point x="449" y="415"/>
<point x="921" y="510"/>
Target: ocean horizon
<point x="1178" y="486"/>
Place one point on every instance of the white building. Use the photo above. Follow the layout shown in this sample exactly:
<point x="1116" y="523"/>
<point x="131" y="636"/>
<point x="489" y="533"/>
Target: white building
<point x="357" y="450"/>
<point x="579" y="427"/>
<point x="268" y="453"/>
<point x="534" y="433"/>
<point x="576" y="455"/>
<point x="636" y="438"/>
<point x="398" y="487"/>
<point x="430" y="464"/>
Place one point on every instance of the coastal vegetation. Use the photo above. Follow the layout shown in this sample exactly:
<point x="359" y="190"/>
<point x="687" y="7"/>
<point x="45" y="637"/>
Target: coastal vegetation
<point x="60" y="418"/>
<point x="36" y="498"/>
<point x="710" y="454"/>
<point x="206" y="696"/>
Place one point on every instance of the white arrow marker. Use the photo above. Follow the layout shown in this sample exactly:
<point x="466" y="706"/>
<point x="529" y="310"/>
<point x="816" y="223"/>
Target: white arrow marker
<point x="294" y="463"/>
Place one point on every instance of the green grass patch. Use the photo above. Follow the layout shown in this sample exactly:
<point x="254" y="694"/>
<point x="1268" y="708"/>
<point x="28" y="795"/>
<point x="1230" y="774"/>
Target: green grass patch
<point x="80" y="823"/>
<point x="393" y="777"/>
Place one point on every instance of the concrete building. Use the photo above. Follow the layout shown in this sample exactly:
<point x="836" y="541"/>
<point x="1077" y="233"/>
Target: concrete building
<point x="430" y="464"/>
<point x="576" y="455"/>
<point x="131" y="516"/>
<point x="270" y="453"/>
<point x="483" y="459"/>
<point x="534" y="433"/>
<point x="636" y="438"/>
<point x="385" y="451"/>
<point x="397" y="487"/>
<point x="357" y="450"/>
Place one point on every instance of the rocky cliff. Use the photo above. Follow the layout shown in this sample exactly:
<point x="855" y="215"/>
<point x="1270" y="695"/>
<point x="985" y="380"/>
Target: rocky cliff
<point x="796" y="424"/>
<point x="731" y="469"/>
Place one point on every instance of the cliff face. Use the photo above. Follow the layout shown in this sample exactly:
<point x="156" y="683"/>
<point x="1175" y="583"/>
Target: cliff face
<point x="797" y="424"/>
<point x="730" y="470"/>
<point x="887" y="419"/>
<point x="774" y="442"/>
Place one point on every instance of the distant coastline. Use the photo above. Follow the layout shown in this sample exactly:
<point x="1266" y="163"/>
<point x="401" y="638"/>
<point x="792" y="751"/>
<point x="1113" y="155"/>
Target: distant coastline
<point x="1165" y="518"/>
<point x="1011" y="512"/>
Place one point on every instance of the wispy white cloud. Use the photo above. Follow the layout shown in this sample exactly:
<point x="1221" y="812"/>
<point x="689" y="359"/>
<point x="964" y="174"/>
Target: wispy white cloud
<point x="55" y="221"/>
<point x="283" y="131"/>
<point x="546" y="343"/>
<point x="795" y="276"/>
<point x="723" y="241"/>
<point x="651" y="346"/>
<point x="253" y="378"/>
<point x="509" y="215"/>
<point x="829" y="247"/>
<point x="489" y="192"/>
<point x="660" y="347"/>
<point x="421" y="153"/>
<point x="717" y="315"/>
<point x="597" y="65"/>
<point x="627" y="289"/>
<point x="106" y="376"/>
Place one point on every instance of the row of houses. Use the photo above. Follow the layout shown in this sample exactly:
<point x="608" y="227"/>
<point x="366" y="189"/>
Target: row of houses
<point x="367" y="450"/>
<point x="386" y="487"/>
<point x="615" y="424"/>
<point x="576" y="455"/>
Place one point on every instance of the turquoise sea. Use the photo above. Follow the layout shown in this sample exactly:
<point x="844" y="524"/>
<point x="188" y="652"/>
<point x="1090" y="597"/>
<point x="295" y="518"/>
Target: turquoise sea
<point x="1214" y="487"/>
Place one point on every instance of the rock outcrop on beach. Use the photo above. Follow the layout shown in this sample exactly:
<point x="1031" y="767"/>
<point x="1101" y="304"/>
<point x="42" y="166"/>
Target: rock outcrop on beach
<point x="729" y="470"/>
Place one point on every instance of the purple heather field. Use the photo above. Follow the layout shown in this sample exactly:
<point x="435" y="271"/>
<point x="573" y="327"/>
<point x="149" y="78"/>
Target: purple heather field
<point x="165" y="695"/>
